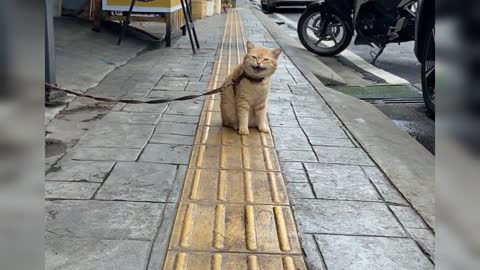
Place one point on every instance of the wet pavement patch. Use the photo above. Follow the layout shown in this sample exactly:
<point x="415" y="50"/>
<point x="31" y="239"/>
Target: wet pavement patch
<point x="403" y="104"/>
<point x="379" y="92"/>
<point x="54" y="147"/>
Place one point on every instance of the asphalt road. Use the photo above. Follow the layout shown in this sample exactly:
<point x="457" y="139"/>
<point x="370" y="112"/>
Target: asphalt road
<point x="397" y="59"/>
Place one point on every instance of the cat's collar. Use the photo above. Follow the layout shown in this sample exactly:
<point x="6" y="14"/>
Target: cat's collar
<point x="250" y="78"/>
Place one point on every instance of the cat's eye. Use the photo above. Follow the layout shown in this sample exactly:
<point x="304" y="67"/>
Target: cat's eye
<point x="254" y="57"/>
<point x="266" y="59"/>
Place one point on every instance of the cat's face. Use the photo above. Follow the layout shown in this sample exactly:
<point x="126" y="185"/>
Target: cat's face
<point x="260" y="62"/>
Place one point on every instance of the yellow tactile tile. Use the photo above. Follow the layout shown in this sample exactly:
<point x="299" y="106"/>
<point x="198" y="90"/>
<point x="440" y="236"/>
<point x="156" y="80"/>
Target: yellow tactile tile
<point x="232" y="157"/>
<point x="230" y="186"/>
<point x="235" y="228"/>
<point x="215" y="135"/>
<point x="234" y="211"/>
<point x="211" y="119"/>
<point x="208" y="261"/>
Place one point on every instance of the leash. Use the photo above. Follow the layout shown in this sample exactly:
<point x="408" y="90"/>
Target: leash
<point x="137" y="101"/>
<point x="234" y="83"/>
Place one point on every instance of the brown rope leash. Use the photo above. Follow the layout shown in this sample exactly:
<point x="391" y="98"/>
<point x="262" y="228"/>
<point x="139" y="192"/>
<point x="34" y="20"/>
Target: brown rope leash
<point x="136" y="101"/>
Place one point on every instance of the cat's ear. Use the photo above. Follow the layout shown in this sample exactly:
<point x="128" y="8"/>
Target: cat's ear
<point x="276" y="52"/>
<point x="250" y="45"/>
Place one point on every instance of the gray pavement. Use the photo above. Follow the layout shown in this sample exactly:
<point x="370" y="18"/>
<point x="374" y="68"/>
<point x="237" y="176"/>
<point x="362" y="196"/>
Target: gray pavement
<point x="114" y="172"/>
<point x="113" y="187"/>
<point x="398" y="59"/>
<point x="344" y="206"/>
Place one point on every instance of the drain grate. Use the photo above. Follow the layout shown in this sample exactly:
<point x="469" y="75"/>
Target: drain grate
<point x="408" y="100"/>
<point x="384" y="94"/>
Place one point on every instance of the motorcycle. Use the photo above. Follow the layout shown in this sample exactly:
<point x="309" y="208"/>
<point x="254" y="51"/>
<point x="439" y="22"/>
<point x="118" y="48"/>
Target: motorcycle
<point x="425" y="50"/>
<point x="326" y="27"/>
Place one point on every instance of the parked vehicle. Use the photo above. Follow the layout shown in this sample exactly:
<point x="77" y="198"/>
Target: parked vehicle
<point x="270" y="5"/>
<point x="425" y="50"/>
<point x="326" y="27"/>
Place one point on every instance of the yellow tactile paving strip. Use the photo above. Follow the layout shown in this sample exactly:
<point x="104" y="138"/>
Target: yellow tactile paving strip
<point x="234" y="211"/>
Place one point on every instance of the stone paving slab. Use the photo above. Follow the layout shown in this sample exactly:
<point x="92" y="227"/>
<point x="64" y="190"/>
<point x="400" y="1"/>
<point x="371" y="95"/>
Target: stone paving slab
<point x="192" y="108"/>
<point x="341" y="182"/>
<point x="89" y="69"/>
<point x="408" y="217"/>
<point x="329" y="131"/>
<point x="290" y="139"/>
<point x="136" y="181"/>
<point x="315" y="110"/>
<point x="294" y="172"/>
<point x="91" y="171"/>
<point x="72" y="253"/>
<point x="180" y="119"/>
<point x="295" y="155"/>
<point x="188" y="71"/>
<point x="325" y="141"/>
<point x="106" y="154"/>
<point x="177" y="185"/>
<point x="314" y="121"/>
<point x="164" y="138"/>
<point x="345" y="217"/>
<point x="357" y="252"/>
<point x="342" y="155"/>
<point x="170" y="94"/>
<point x="172" y="85"/>
<point x="388" y="192"/>
<point x="176" y="128"/>
<point x="166" y="153"/>
<point x="197" y="86"/>
<point x="103" y="219"/>
<point x="300" y="191"/>
<point x="157" y="108"/>
<point x="131" y="118"/>
<point x="425" y="239"/>
<point x="126" y="136"/>
<point x="160" y="245"/>
<point x="70" y="190"/>
<point x="313" y="255"/>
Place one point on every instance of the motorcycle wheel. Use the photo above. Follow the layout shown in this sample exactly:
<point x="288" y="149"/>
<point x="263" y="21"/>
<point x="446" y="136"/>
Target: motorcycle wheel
<point x="268" y="9"/>
<point x="324" y="37"/>
<point x="428" y="72"/>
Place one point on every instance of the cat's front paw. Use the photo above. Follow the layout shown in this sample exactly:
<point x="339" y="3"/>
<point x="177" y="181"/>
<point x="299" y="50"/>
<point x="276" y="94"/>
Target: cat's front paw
<point x="264" y="129"/>
<point x="243" y="131"/>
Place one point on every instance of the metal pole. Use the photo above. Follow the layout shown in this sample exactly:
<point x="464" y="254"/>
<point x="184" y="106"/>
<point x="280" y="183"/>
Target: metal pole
<point x="126" y="22"/>
<point x="50" y="75"/>
<point x="189" y="14"/>
<point x="187" y="24"/>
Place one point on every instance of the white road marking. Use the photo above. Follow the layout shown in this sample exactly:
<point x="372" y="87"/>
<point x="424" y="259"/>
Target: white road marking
<point x="355" y="59"/>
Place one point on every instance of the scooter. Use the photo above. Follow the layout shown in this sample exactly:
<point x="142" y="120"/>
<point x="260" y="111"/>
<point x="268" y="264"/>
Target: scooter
<point x="326" y="27"/>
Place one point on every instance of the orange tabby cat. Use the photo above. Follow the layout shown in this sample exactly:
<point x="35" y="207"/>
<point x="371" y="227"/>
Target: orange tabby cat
<point x="244" y="105"/>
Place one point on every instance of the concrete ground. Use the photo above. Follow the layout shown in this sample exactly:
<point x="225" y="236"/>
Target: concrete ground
<point x="397" y="59"/>
<point x="138" y="186"/>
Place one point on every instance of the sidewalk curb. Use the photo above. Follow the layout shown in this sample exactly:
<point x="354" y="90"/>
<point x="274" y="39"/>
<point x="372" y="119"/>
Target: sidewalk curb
<point x="287" y="22"/>
<point x="408" y="165"/>
<point x="302" y="57"/>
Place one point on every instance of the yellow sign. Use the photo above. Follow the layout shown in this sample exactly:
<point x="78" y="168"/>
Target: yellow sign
<point x="142" y="5"/>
